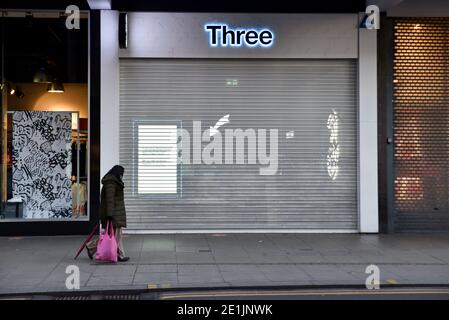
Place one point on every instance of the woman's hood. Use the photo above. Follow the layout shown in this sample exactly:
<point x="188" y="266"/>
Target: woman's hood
<point x="111" y="178"/>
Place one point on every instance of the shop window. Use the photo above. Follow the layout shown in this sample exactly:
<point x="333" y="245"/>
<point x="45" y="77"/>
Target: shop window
<point x="157" y="154"/>
<point x="45" y="114"/>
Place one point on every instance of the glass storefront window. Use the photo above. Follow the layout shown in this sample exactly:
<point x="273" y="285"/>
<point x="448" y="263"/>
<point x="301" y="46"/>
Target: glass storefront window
<point x="45" y="138"/>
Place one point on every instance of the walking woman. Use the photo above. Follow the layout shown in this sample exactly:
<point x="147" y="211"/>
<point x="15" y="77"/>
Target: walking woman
<point x="112" y="207"/>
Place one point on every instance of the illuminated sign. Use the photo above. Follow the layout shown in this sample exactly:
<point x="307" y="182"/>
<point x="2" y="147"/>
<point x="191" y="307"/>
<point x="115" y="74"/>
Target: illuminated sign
<point x="222" y="35"/>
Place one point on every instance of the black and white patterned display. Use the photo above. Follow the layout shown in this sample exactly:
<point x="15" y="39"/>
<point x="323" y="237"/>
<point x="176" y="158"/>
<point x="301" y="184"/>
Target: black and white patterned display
<point x="42" y="163"/>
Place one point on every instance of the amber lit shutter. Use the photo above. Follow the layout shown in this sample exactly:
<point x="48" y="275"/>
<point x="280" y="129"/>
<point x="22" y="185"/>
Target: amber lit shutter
<point x="421" y="123"/>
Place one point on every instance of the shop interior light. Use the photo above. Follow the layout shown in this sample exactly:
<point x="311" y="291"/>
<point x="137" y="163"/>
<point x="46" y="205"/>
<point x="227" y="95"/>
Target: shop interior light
<point x="19" y="93"/>
<point x="14" y="90"/>
<point x="55" y="87"/>
<point x="41" y="76"/>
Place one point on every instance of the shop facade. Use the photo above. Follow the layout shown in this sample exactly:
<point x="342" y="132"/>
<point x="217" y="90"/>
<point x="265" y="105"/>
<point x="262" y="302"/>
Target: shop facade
<point x="413" y="125"/>
<point x="223" y="122"/>
<point x="229" y="122"/>
<point x="241" y="122"/>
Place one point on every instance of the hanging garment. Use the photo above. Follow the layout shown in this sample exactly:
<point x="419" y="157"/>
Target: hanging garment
<point x="79" y="198"/>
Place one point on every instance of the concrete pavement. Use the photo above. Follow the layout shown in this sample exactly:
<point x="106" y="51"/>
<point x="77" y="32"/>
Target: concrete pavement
<point x="38" y="264"/>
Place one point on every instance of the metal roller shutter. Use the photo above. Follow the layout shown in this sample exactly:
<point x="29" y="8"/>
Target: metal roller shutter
<point x="312" y="104"/>
<point x="421" y="124"/>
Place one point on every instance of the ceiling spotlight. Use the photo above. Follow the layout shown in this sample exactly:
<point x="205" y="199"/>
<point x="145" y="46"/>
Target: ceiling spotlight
<point x="19" y="93"/>
<point x="55" y="87"/>
<point x="15" y="91"/>
<point x="41" y="76"/>
<point x="12" y="89"/>
<point x="5" y="85"/>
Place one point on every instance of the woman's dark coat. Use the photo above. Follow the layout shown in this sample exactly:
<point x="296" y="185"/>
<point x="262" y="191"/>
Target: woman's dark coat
<point x="112" y="201"/>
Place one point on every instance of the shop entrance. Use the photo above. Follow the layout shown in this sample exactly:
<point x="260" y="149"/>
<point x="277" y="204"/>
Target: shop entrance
<point x="421" y="124"/>
<point x="296" y="117"/>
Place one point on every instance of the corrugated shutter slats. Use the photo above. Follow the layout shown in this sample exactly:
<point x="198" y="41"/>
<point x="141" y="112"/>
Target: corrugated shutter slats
<point x="309" y="99"/>
<point x="421" y="124"/>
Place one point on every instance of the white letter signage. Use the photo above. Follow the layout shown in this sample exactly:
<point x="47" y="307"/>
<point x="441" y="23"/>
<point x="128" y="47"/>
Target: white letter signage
<point x="222" y="35"/>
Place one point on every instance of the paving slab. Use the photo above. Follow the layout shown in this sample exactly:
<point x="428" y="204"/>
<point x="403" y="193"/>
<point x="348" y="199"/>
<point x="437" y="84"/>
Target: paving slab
<point x="109" y="280"/>
<point x="187" y="257"/>
<point x="194" y="269"/>
<point x="156" y="278"/>
<point x="235" y="278"/>
<point x="157" y="268"/>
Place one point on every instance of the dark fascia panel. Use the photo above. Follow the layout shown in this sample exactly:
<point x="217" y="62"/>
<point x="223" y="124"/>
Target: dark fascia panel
<point x="247" y="6"/>
<point x="43" y="4"/>
<point x="232" y="6"/>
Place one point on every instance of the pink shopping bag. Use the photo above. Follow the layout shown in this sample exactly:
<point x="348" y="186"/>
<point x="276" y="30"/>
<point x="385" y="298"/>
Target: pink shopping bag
<point x="107" y="245"/>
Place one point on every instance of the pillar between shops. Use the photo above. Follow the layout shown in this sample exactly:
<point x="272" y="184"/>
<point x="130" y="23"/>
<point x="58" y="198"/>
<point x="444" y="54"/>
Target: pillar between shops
<point x="110" y="91"/>
<point x="367" y="133"/>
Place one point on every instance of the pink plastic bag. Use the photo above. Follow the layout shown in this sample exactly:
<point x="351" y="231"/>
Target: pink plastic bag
<point x="107" y="245"/>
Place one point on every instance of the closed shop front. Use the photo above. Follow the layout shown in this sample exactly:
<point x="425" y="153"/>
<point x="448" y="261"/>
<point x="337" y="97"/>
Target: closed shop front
<point x="421" y="124"/>
<point x="248" y="124"/>
<point x="311" y="177"/>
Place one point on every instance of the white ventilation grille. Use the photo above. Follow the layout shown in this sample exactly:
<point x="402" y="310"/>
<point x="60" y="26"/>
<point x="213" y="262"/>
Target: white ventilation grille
<point x="157" y="159"/>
